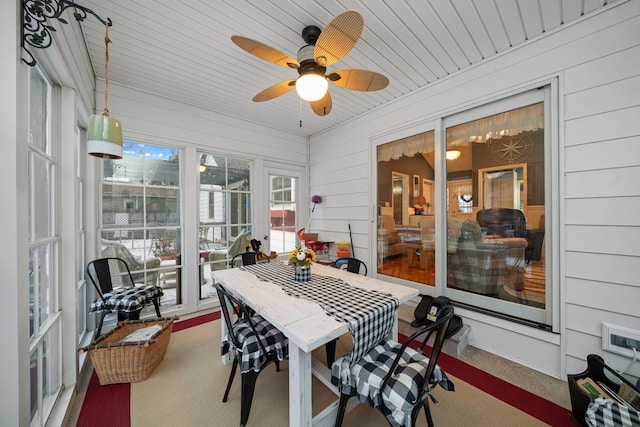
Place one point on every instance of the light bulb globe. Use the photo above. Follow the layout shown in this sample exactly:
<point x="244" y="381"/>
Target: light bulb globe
<point x="311" y="87"/>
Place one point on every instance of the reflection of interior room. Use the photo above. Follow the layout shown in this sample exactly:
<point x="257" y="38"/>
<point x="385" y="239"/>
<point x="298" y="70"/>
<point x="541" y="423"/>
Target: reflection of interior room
<point x="487" y="179"/>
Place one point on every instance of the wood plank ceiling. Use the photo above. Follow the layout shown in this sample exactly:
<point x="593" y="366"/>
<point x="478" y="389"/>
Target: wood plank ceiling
<point x="182" y="49"/>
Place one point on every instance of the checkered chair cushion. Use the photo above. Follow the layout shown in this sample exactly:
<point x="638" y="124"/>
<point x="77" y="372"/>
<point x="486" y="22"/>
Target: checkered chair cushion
<point x="607" y="413"/>
<point x="126" y="299"/>
<point x="365" y="378"/>
<point x="251" y="356"/>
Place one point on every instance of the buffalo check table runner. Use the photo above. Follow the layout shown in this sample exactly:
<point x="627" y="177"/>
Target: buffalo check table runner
<point x="369" y="314"/>
<point x="127" y="300"/>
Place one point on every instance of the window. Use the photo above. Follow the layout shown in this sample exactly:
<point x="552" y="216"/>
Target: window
<point x="141" y="215"/>
<point x="82" y="290"/>
<point x="495" y="208"/>
<point x="225" y="214"/>
<point x="44" y="243"/>
<point x="282" y="213"/>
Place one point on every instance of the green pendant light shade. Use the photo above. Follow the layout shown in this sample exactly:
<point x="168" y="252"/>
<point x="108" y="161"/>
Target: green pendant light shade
<point x="104" y="137"/>
<point x="104" y="134"/>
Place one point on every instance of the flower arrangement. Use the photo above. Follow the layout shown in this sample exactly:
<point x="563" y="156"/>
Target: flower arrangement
<point x="302" y="256"/>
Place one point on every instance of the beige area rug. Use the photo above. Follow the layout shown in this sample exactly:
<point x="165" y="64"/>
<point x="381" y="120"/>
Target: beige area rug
<point x="186" y="390"/>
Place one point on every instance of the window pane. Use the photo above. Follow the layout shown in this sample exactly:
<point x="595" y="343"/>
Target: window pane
<point x="283" y="221"/>
<point x="238" y="171"/>
<point x="42" y="280"/>
<point x="45" y="374"/>
<point x="494" y="247"/>
<point x="162" y="166"/>
<point x="122" y="205"/>
<point x="224" y="214"/>
<point x="51" y="366"/>
<point x="140" y="163"/>
<point x="163" y="206"/>
<point x="46" y="282"/>
<point x="240" y="207"/>
<point x="406" y="196"/>
<point x="33" y="365"/>
<point x="38" y="111"/>
<point x="40" y="197"/>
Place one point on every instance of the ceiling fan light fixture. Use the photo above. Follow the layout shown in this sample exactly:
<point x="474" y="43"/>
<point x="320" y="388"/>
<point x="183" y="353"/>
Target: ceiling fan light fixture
<point x="311" y="86"/>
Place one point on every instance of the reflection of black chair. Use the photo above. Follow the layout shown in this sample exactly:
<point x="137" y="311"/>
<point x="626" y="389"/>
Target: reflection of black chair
<point x="393" y="377"/>
<point x="125" y="297"/>
<point x="352" y="265"/>
<point x="256" y="344"/>
<point x="507" y="222"/>
<point x="248" y="258"/>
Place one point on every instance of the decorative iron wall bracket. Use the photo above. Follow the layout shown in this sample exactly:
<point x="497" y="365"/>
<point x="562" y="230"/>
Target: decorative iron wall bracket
<point x="36" y="32"/>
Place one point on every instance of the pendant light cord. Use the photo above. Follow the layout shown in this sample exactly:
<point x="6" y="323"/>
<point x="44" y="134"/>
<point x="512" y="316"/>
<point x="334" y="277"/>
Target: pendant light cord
<point x="107" y="40"/>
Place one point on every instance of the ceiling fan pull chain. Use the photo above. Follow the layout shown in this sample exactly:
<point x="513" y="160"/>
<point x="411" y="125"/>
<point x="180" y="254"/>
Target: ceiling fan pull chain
<point x="300" y="110"/>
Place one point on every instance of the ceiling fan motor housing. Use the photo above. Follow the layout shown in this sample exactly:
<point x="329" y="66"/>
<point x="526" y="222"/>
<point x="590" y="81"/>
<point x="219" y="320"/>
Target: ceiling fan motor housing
<point x="307" y="61"/>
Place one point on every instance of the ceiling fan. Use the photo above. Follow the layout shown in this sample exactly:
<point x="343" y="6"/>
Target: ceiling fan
<point x="324" y="48"/>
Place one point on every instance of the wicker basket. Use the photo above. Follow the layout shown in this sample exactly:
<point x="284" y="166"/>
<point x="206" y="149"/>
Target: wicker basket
<point x="117" y="362"/>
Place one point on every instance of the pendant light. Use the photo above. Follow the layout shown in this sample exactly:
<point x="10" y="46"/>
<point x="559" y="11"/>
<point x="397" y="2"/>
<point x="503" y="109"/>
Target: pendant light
<point x="104" y="135"/>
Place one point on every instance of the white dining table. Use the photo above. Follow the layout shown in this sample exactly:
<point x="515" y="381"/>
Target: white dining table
<point x="307" y="327"/>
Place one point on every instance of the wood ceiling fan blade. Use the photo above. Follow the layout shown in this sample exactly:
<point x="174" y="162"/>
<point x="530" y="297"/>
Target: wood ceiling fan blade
<point x="322" y="107"/>
<point x="275" y="91"/>
<point x="265" y="52"/>
<point x="361" y="80"/>
<point x="337" y="39"/>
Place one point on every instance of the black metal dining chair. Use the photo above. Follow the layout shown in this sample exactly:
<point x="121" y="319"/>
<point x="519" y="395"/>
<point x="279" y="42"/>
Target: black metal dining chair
<point x="117" y="291"/>
<point x="256" y="344"/>
<point x="394" y="378"/>
<point x="352" y="265"/>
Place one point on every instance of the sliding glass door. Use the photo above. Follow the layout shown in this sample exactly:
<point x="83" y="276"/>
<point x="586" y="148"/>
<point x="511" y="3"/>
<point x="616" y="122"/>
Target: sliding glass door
<point x="482" y="239"/>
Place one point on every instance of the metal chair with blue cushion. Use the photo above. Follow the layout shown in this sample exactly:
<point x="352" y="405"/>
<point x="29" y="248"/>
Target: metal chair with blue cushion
<point x="395" y="378"/>
<point x="118" y="292"/>
<point x="256" y="344"/>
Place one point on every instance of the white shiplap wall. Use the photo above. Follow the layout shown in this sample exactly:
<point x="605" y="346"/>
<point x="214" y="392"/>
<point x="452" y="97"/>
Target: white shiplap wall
<point x="598" y="221"/>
